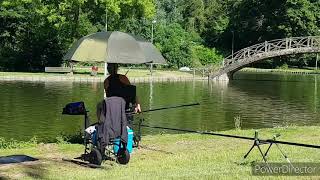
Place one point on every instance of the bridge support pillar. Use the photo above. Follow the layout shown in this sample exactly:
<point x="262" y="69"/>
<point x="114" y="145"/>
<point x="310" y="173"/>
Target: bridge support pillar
<point x="224" y="77"/>
<point x="230" y="75"/>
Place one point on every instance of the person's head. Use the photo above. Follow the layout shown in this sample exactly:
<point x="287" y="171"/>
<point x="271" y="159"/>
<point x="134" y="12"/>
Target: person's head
<point x="112" y="68"/>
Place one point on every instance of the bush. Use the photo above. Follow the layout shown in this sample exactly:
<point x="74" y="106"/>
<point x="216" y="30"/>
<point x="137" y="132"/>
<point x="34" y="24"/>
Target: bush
<point x="205" y="55"/>
<point x="283" y="66"/>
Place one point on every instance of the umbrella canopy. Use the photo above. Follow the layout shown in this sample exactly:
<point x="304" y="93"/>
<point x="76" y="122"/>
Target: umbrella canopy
<point x="111" y="47"/>
<point x="150" y="51"/>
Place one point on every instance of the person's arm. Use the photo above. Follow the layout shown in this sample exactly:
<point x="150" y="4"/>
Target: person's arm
<point x="137" y="109"/>
<point x="126" y="81"/>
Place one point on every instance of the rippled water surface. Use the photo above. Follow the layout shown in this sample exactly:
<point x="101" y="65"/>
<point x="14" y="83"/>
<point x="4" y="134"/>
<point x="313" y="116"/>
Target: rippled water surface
<point x="258" y="100"/>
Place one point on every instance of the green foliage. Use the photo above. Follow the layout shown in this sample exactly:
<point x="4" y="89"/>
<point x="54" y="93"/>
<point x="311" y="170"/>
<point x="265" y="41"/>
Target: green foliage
<point x="35" y="33"/>
<point x="256" y="21"/>
<point x="169" y="11"/>
<point x="175" y="43"/>
<point x="12" y="143"/>
<point x="283" y="66"/>
<point x="204" y="56"/>
<point x="216" y="22"/>
<point x="62" y="139"/>
<point x="194" y="15"/>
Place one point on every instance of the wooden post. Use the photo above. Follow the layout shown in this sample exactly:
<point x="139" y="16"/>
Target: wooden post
<point x="290" y="41"/>
<point x="194" y="73"/>
<point x="265" y="46"/>
<point x="151" y="67"/>
<point x="317" y="62"/>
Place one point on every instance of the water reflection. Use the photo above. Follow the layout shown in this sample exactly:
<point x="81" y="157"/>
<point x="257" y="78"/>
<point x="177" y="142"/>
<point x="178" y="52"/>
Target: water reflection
<point x="315" y="94"/>
<point x="150" y="93"/>
<point x="260" y="100"/>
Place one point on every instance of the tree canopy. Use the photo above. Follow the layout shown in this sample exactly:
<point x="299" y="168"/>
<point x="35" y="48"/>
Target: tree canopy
<point x="37" y="33"/>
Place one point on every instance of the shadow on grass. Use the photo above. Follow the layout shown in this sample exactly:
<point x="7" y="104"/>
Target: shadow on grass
<point x="154" y="149"/>
<point x="3" y="177"/>
<point x="35" y="170"/>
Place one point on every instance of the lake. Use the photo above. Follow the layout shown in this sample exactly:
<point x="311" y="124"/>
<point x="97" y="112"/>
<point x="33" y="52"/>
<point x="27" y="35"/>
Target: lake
<point x="257" y="100"/>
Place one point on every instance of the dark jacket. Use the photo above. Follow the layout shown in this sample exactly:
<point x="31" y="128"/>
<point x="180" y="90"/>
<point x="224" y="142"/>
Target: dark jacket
<point x="112" y="121"/>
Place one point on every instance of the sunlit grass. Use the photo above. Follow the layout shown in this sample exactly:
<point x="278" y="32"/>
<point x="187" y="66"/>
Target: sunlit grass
<point x="169" y="156"/>
<point x="85" y="72"/>
<point x="289" y="70"/>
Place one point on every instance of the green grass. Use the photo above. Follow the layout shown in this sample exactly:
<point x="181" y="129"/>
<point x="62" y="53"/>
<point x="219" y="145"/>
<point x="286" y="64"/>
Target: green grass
<point x="289" y="70"/>
<point x="168" y="156"/>
<point x="85" y="72"/>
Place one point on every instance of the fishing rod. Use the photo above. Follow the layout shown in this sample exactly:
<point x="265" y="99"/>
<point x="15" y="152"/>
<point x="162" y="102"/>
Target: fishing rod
<point x="235" y="136"/>
<point x="170" y="107"/>
<point x="164" y="108"/>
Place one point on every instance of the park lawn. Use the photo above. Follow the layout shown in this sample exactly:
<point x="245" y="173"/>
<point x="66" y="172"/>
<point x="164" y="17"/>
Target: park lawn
<point x="85" y="72"/>
<point x="141" y="72"/>
<point x="168" y="156"/>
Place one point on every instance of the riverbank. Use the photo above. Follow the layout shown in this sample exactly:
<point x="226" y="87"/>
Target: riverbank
<point x="289" y="70"/>
<point x="169" y="156"/>
<point x="135" y="76"/>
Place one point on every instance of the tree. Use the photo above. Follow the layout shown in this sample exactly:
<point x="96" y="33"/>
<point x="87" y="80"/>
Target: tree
<point x="36" y="33"/>
<point x="174" y="43"/>
<point x="194" y="15"/>
<point x="169" y="11"/>
<point x="256" y="21"/>
<point x="217" y="21"/>
<point x="202" y="55"/>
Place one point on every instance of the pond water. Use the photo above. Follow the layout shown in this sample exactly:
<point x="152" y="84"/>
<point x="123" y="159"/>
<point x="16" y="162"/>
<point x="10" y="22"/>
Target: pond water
<point x="257" y="100"/>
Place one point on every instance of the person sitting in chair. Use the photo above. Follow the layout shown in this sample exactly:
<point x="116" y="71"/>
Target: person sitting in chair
<point x="116" y="81"/>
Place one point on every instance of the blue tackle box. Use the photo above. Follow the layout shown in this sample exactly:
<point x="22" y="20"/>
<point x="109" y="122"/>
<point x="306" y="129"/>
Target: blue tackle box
<point x="129" y="144"/>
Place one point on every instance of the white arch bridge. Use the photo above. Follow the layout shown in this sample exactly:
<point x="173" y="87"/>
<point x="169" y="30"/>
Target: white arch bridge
<point x="265" y="50"/>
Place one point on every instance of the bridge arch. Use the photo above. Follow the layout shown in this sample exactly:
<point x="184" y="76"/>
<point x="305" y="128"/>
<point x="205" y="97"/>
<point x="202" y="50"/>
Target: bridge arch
<point x="265" y="50"/>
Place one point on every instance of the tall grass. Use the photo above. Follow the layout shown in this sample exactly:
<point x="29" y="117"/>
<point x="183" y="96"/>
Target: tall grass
<point x="61" y="139"/>
<point x="12" y="143"/>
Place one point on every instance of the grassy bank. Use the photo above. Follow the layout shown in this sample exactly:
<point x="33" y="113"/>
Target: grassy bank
<point x="289" y="70"/>
<point x="168" y="156"/>
<point x="85" y="72"/>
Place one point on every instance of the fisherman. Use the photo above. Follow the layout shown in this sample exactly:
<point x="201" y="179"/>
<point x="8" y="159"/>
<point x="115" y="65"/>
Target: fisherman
<point x="116" y="81"/>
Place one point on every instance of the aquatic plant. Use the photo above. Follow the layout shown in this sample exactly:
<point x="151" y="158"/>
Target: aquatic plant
<point x="237" y="122"/>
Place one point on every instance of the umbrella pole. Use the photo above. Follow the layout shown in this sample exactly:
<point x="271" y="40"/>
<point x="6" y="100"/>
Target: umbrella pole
<point x="105" y="76"/>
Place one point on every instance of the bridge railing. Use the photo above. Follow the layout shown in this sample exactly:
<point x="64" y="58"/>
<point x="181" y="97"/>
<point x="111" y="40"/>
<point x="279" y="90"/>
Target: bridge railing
<point x="271" y="46"/>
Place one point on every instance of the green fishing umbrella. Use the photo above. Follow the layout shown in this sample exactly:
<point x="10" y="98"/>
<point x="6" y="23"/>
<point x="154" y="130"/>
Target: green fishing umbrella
<point x="110" y="47"/>
<point x="152" y="54"/>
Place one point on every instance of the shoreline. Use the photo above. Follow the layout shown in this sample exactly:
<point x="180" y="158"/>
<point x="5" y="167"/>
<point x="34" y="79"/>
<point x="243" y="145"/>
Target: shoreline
<point x="288" y="71"/>
<point x="137" y="77"/>
<point x="98" y="79"/>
